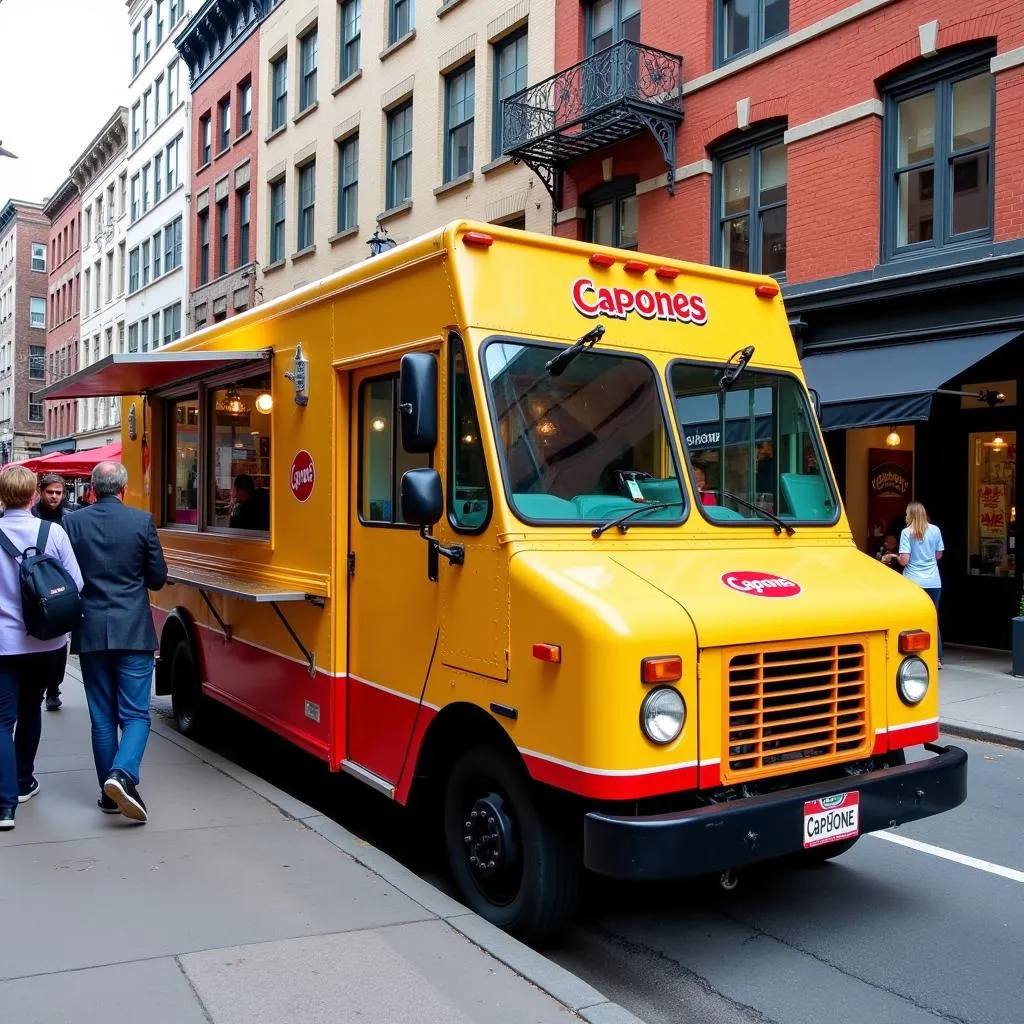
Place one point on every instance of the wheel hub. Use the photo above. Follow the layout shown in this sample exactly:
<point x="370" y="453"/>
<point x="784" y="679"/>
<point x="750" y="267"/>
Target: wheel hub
<point x="490" y="845"/>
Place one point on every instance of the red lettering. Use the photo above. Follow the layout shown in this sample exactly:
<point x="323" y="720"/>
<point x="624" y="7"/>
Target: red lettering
<point x="663" y="301"/>
<point x="698" y="312"/>
<point x="593" y="301"/>
<point x="579" y="287"/>
<point x="605" y="301"/>
<point x="645" y="304"/>
<point x="681" y="306"/>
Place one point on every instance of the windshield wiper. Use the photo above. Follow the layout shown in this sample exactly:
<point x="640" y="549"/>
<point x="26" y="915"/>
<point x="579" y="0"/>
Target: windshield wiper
<point x="780" y="524"/>
<point x="620" y="521"/>
<point x="555" y="366"/>
<point x="734" y="366"/>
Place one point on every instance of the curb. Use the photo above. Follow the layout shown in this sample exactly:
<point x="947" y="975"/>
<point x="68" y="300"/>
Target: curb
<point x="562" y="985"/>
<point x="981" y="735"/>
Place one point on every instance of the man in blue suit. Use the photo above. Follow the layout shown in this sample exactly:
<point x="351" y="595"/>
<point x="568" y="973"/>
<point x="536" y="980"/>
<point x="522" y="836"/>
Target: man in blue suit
<point x="121" y="558"/>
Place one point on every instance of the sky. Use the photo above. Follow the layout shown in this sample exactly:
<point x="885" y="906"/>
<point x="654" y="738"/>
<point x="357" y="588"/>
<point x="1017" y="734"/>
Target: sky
<point x="64" y="68"/>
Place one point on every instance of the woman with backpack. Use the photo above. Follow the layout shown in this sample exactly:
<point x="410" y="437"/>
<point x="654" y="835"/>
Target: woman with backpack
<point x="28" y="663"/>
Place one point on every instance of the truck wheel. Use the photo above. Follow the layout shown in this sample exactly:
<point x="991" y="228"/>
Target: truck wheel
<point x="187" y="701"/>
<point x="511" y="864"/>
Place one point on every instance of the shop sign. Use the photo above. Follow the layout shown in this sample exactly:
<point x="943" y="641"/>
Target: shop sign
<point x="760" y="584"/>
<point x="647" y="303"/>
<point x="302" y="475"/>
<point x="890" y="489"/>
<point x="992" y="511"/>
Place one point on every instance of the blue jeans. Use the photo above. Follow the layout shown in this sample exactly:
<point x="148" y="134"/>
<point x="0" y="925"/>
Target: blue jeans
<point x="117" y="687"/>
<point x="935" y="593"/>
<point x="24" y="678"/>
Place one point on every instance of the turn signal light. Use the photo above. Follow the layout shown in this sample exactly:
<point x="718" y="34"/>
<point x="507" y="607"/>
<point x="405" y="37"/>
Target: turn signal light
<point x="913" y="641"/>
<point x="478" y="238"/>
<point x="766" y="291"/>
<point x="665" y="669"/>
<point x="601" y="259"/>
<point x="636" y="266"/>
<point x="667" y="273"/>
<point x="548" y="652"/>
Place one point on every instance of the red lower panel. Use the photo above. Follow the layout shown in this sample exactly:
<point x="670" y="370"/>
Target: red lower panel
<point x="710" y="776"/>
<point x="380" y="725"/>
<point x="912" y="735"/>
<point x="610" y="787"/>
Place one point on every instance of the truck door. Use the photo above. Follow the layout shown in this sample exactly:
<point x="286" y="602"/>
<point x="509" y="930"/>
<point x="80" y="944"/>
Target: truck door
<point x="393" y="607"/>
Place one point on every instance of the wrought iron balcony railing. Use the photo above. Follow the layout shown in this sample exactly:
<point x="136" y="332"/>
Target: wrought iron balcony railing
<point x="619" y="92"/>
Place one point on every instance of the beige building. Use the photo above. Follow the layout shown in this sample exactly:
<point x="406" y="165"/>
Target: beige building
<point x="387" y="112"/>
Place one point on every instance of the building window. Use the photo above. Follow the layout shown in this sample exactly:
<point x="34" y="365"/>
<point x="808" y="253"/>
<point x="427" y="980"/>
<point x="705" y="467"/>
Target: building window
<point x="177" y="11"/>
<point x="145" y="188"/>
<point x="245" y="108"/>
<point x="147" y="38"/>
<point x="277" y="216"/>
<point x="156" y="330"/>
<point x="382" y="460"/>
<point x="206" y="138"/>
<point x="133" y="338"/>
<point x="136" y="138"/>
<point x="460" y="97"/>
<point x="159" y="22"/>
<point x="750" y="184"/>
<point x="351" y="37"/>
<point x="307" y="70"/>
<point x="204" y="247"/>
<point x="144" y="262"/>
<point x="35" y="408"/>
<point x="135" y="199"/>
<point x="307" y="204"/>
<point x="400" y="20"/>
<point x="746" y="25"/>
<point x="136" y="51"/>
<point x="133" y="271"/>
<point x="612" y="215"/>
<point x="224" y="122"/>
<point x="938" y="136"/>
<point x="279" y="93"/>
<point x="144" y="334"/>
<point x="510" y="75"/>
<point x="37" y="361"/>
<point x="172" y="86"/>
<point x="172" y="260"/>
<point x="158" y="88"/>
<point x="222" y="237"/>
<point x="37" y="312"/>
<point x="173" y="152"/>
<point x="157" y="253"/>
<point x="147" y="102"/>
<point x="39" y="256"/>
<point x="611" y="21"/>
<point x="158" y="177"/>
<point x="244" y="218"/>
<point x="399" y="188"/>
<point x="348" y="183"/>
<point x="172" y="323"/>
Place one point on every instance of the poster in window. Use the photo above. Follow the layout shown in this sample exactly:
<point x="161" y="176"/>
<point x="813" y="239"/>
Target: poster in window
<point x="992" y="521"/>
<point x="890" y="490"/>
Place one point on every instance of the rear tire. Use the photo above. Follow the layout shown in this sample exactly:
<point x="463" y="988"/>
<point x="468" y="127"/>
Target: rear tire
<point x="512" y="864"/>
<point x="189" y="706"/>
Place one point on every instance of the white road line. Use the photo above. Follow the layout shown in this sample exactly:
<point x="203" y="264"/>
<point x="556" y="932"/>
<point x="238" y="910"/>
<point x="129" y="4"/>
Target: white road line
<point x="957" y="858"/>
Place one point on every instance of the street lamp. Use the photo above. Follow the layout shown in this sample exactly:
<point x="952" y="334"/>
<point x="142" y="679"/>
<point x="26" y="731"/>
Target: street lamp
<point x="380" y="241"/>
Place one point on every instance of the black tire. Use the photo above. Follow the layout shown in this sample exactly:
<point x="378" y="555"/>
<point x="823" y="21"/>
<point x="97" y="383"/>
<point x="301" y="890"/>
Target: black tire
<point x="533" y="889"/>
<point x="826" y="852"/>
<point x="188" y="704"/>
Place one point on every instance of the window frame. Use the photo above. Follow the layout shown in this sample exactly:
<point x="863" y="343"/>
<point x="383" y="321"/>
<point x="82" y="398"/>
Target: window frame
<point x="405" y="109"/>
<point x="38" y="353"/>
<point x="451" y="78"/>
<point x="203" y="238"/>
<point x="618" y="24"/>
<point x="938" y="76"/>
<point x="223" y="237"/>
<point x="305" y="234"/>
<point x="32" y="308"/>
<point x="244" y="108"/>
<point x="395" y="8"/>
<point x="758" y="39"/>
<point x="36" y="255"/>
<point x="614" y="192"/>
<point x="346" y="69"/>
<point x="345" y="185"/>
<point x="277" y="253"/>
<point x="500" y="47"/>
<point x="751" y="143"/>
<point x="206" y="138"/>
<point x="308" y="44"/>
<point x="243" y="200"/>
<point x="457" y="345"/>
<point x="224" y="124"/>
<point x="279" y="92"/>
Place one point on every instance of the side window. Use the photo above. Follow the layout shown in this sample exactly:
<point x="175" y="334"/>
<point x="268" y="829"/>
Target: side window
<point x="382" y="459"/>
<point x="183" y="460"/>
<point x="469" y="496"/>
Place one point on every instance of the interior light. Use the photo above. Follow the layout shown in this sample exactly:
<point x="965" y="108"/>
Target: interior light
<point x="468" y="439"/>
<point x="378" y="423"/>
<point x="892" y="439"/>
<point x="233" y="404"/>
<point x="264" y="403"/>
<point x="546" y="428"/>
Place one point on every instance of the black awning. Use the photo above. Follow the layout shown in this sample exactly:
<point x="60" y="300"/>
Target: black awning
<point x="879" y="387"/>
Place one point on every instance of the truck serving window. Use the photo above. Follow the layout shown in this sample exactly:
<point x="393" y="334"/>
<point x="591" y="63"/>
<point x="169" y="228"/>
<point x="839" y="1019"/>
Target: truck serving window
<point x="586" y="445"/>
<point x="752" y="445"/>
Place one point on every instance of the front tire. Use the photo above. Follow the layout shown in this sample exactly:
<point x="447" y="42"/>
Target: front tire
<point x="512" y="865"/>
<point x="188" y="704"/>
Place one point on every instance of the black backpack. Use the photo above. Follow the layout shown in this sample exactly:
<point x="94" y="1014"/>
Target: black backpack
<point x="50" y="602"/>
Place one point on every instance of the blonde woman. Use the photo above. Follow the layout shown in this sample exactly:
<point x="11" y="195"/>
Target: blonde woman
<point x="921" y="548"/>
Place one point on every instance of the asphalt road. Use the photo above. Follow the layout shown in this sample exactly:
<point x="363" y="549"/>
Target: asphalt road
<point x="886" y="934"/>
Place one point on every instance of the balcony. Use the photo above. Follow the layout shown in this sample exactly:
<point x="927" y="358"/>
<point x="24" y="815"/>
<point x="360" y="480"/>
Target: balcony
<point x="622" y="91"/>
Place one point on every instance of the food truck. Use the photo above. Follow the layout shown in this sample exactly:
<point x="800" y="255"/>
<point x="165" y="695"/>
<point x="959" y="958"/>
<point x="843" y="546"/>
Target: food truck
<point x="540" y="537"/>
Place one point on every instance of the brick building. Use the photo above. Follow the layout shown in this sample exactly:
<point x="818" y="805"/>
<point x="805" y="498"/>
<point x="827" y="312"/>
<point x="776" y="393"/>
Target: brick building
<point x="221" y="47"/>
<point x="64" y="211"/>
<point x="24" y="237"/>
<point x="869" y="155"/>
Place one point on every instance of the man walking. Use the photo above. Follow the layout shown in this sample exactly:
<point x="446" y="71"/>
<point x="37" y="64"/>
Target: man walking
<point x="120" y="556"/>
<point x="53" y="507"/>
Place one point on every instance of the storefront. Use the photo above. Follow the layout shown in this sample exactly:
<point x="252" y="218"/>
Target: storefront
<point x="918" y="379"/>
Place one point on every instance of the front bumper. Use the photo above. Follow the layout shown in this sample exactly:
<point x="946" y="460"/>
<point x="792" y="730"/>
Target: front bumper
<point x="737" y="833"/>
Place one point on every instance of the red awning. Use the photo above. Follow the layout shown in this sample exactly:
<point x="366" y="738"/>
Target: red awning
<point x="78" y="463"/>
<point x="137" y="373"/>
<point x="39" y="463"/>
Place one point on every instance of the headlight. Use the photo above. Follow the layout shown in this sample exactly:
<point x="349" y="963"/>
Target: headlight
<point x="663" y="715"/>
<point x="912" y="681"/>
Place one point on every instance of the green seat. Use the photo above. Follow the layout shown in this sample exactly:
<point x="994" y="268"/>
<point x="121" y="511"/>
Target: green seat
<point x="660" y="490"/>
<point x="720" y="512"/>
<point x="806" y="497"/>
<point x="545" y="506"/>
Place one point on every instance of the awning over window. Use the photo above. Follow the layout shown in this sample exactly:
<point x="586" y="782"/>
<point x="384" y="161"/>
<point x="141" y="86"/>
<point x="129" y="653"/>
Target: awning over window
<point x="136" y="373"/>
<point x="76" y="463"/>
<point x="879" y="387"/>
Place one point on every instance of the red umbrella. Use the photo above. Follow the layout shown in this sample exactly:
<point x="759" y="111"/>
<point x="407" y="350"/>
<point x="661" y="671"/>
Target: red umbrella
<point x="80" y="463"/>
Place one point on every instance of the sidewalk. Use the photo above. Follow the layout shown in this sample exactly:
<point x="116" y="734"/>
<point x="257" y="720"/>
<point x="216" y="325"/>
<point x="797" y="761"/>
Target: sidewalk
<point x="238" y="905"/>
<point x="979" y="698"/>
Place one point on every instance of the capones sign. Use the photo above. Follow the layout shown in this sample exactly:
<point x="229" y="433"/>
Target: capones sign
<point x="648" y="303"/>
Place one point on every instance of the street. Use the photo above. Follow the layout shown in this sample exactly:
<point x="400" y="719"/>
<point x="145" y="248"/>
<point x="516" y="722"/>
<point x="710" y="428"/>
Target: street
<point x="889" y="933"/>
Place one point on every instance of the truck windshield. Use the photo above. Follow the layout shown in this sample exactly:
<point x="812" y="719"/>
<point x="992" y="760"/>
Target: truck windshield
<point x="753" y="445"/>
<point x="587" y="445"/>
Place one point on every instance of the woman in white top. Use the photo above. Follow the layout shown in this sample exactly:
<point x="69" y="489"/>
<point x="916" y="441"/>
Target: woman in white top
<point x="921" y="548"/>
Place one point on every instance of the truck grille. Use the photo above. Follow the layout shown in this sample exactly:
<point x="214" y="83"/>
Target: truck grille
<point x="795" y="708"/>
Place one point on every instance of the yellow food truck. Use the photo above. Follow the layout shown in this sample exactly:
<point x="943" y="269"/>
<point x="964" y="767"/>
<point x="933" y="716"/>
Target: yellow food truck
<point x="542" y="537"/>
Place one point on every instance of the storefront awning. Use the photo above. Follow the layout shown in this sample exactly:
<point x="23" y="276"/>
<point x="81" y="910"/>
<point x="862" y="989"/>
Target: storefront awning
<point x="76" y="463"/>
<point x="879" y="387"/>
<point x="136" y="373"/>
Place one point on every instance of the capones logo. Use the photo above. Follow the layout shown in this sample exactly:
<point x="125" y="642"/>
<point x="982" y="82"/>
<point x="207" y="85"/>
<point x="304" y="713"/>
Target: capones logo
<point x="649" y="304"/>
<point x="761" y="584"/>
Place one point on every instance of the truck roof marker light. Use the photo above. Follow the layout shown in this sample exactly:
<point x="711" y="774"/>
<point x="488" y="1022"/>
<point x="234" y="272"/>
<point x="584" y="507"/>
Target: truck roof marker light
<point x="550" y="653"/>
<point x="636" y="266"/>
<point x="601" y="259"/>
<point x="766" y="291"/>
<point x="667" y="273"/>
<point x="666" y="668"/>
<point x="913" y="641"/>
<point x="478" y="239"/>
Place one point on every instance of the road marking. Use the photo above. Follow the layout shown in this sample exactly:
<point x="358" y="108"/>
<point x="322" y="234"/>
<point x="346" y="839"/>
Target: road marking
<point x="957" y="858"/>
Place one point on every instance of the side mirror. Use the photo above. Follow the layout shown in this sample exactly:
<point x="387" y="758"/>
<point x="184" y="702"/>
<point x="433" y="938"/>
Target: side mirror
<point x="816" y="402"/>
<point x="417" y="403"/>
<point x="423" y="504"/>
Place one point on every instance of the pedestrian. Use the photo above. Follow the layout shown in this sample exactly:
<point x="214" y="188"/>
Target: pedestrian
<point x="53" y="506"/>
<point x="921" y="548"/>
<point x="121" y="558"/>
<point x="28" y="666"/>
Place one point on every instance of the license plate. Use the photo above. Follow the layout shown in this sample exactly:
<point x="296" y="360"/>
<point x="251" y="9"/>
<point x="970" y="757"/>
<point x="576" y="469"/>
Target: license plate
<point x="831" y="818"/>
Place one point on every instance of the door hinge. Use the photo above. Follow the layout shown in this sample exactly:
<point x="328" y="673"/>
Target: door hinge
<point x="351" y="563"/>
